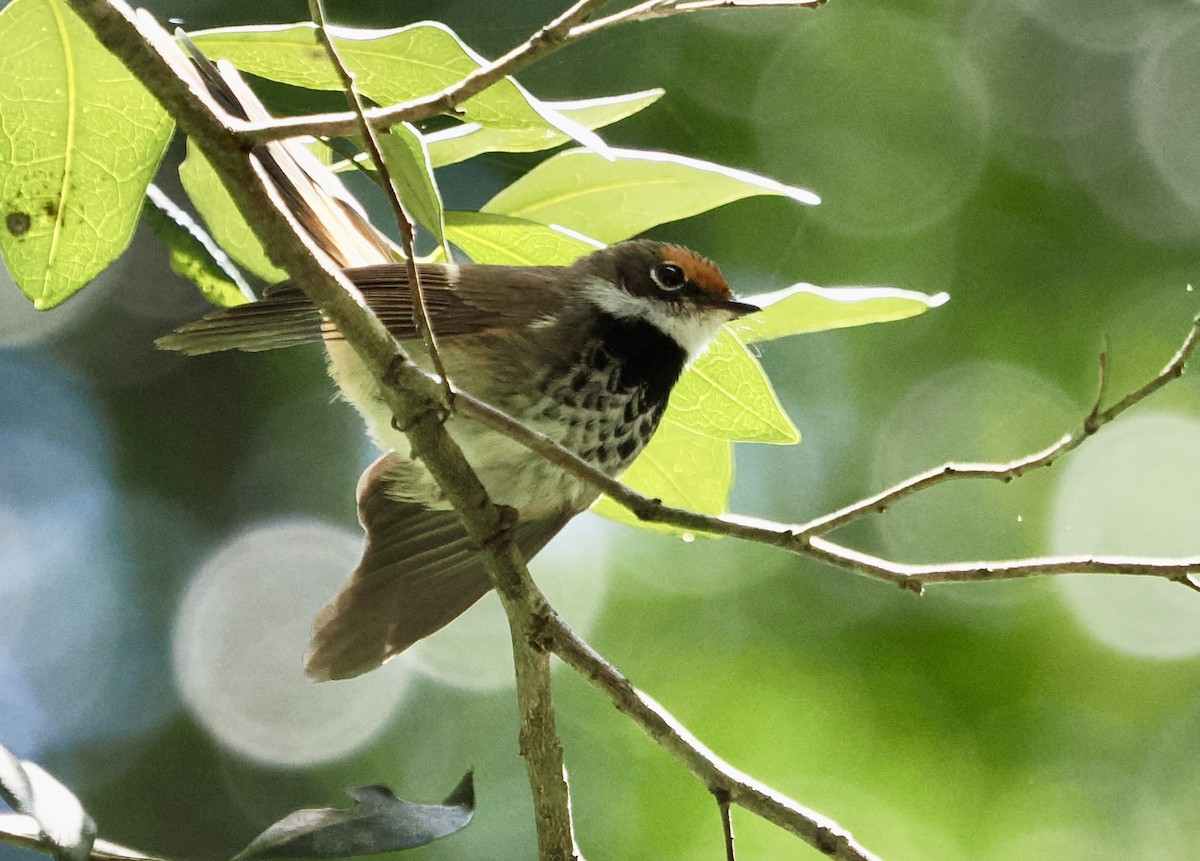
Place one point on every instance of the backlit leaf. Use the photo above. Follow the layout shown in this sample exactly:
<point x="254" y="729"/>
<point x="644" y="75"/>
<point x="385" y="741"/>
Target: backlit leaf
<point x="60" y="819"/>
<point x="725" y="394"/>
<point x="804" y="308"/>
<point x="194" y="254"/>
<point x="81" y="141"/>
<point x="468" y="140"/>
<point x="617" y="199"/>
<point x="223" y="218"/>
<point x="389" y="66"/>
<point x="490" y="238"/>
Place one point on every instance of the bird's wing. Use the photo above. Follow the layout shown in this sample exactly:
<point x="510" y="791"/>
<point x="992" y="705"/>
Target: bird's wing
<point x="419" y="571"/>
<point x="460" y="300"/>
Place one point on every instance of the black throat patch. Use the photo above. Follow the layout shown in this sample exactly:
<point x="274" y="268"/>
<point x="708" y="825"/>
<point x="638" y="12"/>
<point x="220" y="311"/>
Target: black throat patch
<point x="646" y="357"/>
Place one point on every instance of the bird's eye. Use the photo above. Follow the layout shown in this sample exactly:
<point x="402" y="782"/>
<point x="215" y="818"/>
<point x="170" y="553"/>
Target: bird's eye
<point x="669" y="276"/>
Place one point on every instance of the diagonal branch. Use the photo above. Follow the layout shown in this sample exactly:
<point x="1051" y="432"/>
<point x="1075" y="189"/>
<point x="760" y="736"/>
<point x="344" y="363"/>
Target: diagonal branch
<point x="569" y="27"/>
<point x="412" y="396"/>
<point x="403" y="221"/>
<point x="720" y="777"/>
<point x="807" y="538"/>
<point x="539" y="741"/>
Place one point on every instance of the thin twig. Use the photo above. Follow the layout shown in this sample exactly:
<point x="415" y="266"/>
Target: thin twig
<point x="1095" y="420"/>
<point x="539" y="741"/>
<point x="653" y="9"/>
<point x="722" y="798"/>
<point x="805" y="538"/>
<point x="817" y="831"/>
<point x="569" y="27"/>
<point x="916" y="576"/>
<point x="403" y="221"/>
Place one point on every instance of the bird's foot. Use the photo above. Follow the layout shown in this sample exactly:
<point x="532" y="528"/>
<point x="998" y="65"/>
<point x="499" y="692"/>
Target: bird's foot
<point x="505" y="524"/>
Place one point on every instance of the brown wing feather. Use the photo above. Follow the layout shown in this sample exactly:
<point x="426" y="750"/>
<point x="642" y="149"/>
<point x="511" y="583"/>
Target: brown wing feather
<point x="478" y="299"/>
<point x="419" y="571"/>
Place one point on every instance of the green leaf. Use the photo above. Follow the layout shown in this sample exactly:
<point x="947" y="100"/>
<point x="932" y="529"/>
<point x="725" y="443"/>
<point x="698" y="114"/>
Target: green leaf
<point x="488" y="238"/>
<point x="389" y="66"/>
<point x="468" y="140"/>
<point x="378" y="822"/>
<point x="682" y="468"/>
<point x="81" y="141"/>
<point x="407" y="161"/>
<point x="613" y="200"/>
<point x="804" y="308"/>
<point x="223" y="218"/>
<point x="194" y="254"/>
<point x="725" y="394"/>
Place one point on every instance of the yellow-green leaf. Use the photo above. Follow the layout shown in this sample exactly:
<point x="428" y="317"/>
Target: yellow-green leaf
<point x="468" y="140"/>
<point x="223" y="218"/>
<point x="407" y="161"/>
<point x="489" y="238"/>
<point x="81" y="140"/>
<point x="804" y="308"/>
<point x="389" y="66"/>
<point x="725" y="394"/>
<point x="635" y="190"/>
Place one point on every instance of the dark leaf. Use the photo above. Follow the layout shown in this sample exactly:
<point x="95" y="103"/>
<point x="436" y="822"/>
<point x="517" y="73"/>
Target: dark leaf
<point x="378" y="822"/>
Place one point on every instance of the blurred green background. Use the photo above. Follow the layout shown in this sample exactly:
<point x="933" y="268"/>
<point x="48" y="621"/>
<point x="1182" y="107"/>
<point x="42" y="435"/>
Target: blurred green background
<point x="168" y="526"/>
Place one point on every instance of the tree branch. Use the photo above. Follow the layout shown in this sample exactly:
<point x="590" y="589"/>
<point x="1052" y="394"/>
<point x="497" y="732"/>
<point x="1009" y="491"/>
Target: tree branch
<point x="539" y="742"/>
<point x="807" y="538"/>
<point x="413" y="397"/>
<point x="403" y="221"/>
<point x="817" y="831"/>
<point x="569" y="27"/>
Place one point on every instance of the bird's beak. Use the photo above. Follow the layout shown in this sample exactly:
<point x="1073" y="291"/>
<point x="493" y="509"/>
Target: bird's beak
<point x="739" y="309"/>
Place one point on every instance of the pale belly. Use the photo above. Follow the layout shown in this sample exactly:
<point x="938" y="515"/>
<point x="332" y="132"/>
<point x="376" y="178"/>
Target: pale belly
<point x="606" y="427"/>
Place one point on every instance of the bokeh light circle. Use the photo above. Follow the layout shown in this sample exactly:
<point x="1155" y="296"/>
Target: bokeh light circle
<point x="1132" y="491"/>
<point x="975" y="411"/>
<point x="1098" y="25"/>
<point x="474" y="651"/>
<point x="1167" y="100"/>
<point x="240" y="637"/>
<point x="894" y="141"/>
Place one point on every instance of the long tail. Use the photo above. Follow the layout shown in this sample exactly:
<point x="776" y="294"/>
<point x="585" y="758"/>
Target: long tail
<point x="419" y="571"/>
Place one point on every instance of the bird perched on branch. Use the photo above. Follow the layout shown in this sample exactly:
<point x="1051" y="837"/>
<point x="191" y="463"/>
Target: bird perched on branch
<point x="586" y="354"/>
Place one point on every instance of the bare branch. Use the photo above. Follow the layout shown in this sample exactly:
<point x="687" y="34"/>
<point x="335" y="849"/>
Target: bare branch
<point x="1095" y="420"/>
<point x="403" y="221"/>
<point x="539" y="741"/>
<point x="805" y="538"/>
<point x="652" y="9"/>
<point x="722" y="798"/>
<point x="548" y="39"/>
<point x="817" y="831"/>
<point x="569" y="27"/>
<point x="916" y="576"/>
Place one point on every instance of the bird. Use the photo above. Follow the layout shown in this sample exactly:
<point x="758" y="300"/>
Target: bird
<point x="586" y="353"/>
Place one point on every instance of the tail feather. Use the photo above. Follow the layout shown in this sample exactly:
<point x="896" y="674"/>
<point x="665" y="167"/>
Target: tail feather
<point x="419" y="572"/>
